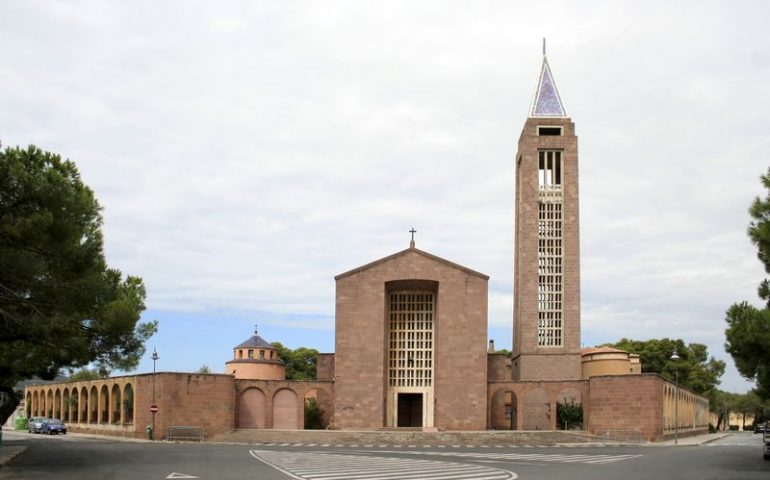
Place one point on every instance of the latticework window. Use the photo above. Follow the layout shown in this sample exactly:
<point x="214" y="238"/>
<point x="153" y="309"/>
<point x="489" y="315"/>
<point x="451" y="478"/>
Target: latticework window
<point x="550" y="254"/>
<point x="410" y="352"/>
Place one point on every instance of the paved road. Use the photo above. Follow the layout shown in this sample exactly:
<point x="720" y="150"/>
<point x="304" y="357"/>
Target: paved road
<point x="736" y="457"/>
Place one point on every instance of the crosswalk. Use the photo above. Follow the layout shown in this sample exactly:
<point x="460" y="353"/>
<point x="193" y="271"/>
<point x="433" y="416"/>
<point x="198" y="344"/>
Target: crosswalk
<point x="333" y="466"/>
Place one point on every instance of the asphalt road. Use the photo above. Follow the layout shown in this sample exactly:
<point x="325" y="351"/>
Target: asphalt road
<point x="68" y="457"/>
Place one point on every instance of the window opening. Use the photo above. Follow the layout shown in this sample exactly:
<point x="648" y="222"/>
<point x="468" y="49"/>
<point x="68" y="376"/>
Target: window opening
<point x="549" y="131"/>
<point x="550" y="250"/>
<point x="410" y="340"/>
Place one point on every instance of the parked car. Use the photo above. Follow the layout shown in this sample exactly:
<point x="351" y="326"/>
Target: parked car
<point x="760" y="427"/>
<point x="34" y="424"/>
<point x="53" y="426"/>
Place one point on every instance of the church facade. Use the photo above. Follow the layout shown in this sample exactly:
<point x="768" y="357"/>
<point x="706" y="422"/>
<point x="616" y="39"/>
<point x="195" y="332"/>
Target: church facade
<point x="411" y="341"/>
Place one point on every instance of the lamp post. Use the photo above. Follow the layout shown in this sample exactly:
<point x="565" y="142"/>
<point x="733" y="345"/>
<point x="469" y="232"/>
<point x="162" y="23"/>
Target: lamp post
<point x="675" y="356"/>
<point x="155" y="358"/>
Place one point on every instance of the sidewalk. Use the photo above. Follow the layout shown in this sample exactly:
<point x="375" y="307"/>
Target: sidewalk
<point x="696" y="439"/>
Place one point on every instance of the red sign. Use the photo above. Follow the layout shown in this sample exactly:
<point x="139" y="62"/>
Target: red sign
<point x="153" y="408"/>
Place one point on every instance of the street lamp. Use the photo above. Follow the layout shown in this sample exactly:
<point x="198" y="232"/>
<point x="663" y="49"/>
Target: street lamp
<point x="155" y="358"/>
<point x="675" y="356"/>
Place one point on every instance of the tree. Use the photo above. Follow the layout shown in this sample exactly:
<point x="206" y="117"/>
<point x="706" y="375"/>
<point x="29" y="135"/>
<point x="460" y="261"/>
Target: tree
<point x="300" y="363"/>
<point x="569" y="415"/>
<point x="748" y="327"/>
<point x="696" y="370"/>
<point x="85" y="373"/>
<point x="61" y="306"/>
<point x="204" y="369"/>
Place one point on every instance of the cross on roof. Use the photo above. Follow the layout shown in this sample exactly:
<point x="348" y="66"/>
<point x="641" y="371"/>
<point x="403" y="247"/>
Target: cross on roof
<point x="413" y="231"/>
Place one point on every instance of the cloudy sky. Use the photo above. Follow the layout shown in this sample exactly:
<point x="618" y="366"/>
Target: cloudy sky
<point x="247" y="152"/>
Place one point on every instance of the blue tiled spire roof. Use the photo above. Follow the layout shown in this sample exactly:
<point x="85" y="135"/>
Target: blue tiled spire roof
<point x="547" y="102"/>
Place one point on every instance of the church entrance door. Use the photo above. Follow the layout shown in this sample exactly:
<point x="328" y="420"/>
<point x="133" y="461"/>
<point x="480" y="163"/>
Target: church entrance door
<point x="410" y="409"/>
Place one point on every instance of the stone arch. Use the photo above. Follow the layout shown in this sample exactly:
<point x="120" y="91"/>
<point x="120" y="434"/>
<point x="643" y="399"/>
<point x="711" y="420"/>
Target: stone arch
<point x="49" y="404"/>
<point x="536" y="410"/>
<point x="568" y="396"/>
<point x="28" y="404"/>
<point x="93" y="405"/>
<point x="128" y="404"/>
<point x="71" y="404"/>
<point x="65" y="402"/>
<point x="316" y="418"/>
<point x="252" y="408"/>
<point x="35" y="404"/>
<point x="83" y="405"/>
<point x="57" y="410"/>
<point x="285" y="410"/>
<point x="104" y="404"/>
<point x="115" y="404"/>
<point x="503" y="409"/>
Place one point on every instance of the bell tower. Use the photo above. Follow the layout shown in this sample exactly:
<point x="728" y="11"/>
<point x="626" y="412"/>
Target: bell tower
<point x="546" y="332"/>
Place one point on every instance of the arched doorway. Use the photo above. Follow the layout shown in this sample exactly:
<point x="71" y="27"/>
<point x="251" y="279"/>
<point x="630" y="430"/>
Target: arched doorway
<point x="83" y="405"/>
<point x="57" y="411"/>
<point x="503" y="410"/>
<point x="317" y="409"/>
<point x="93" y="403"/>
<point x="285" y="410"/>
<point x="252" y="408"/>
<point x="115" y="404"/>
<point x="66" y="402"/>
<point x="569" y="410"/>
<point x="128" y="404"/>
<point x="49" y="404"/>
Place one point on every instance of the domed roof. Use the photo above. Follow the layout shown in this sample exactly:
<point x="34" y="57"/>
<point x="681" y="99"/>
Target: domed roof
<point x="256" y="342"/>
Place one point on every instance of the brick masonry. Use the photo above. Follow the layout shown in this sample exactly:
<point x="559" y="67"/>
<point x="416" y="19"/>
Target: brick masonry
<point x="459" y="344"/>
<point x="531" y="362"/>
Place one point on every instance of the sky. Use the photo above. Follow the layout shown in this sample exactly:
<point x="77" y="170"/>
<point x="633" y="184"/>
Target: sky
<point x="245" y="153"/>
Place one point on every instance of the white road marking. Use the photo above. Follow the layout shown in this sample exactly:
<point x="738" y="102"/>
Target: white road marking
<point x="334" y="466"/>
<point x="530" y="457"/>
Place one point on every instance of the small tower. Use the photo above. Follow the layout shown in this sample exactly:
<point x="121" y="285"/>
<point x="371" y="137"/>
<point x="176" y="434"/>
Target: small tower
<point x="256" y="359"/>
<point x="546" y="334"/>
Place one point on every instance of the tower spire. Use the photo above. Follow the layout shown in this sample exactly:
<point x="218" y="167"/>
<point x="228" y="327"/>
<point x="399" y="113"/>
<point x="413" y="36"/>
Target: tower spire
<point x="547" y="102"/>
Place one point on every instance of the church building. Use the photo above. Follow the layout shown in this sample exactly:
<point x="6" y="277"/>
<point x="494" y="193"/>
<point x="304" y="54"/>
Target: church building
<point x="411" y="341"/>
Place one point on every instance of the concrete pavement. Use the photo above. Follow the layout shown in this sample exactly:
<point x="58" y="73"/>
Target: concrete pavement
<point x="7" y="454"/>
<point x="696" y="439"/>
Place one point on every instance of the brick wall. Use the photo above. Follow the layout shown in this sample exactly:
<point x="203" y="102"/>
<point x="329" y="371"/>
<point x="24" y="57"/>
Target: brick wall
<point x="627" y="403"/>
<point x="325" y="366"/>
<point x="498" y="368"/>
<point x="189" y="399"/>
<point x="460" y="341"/>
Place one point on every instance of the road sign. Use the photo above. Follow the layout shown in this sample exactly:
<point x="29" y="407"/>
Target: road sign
<point x="154" y="408"/>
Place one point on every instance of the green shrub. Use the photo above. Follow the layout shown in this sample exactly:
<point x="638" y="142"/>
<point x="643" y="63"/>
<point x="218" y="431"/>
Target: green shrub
<point x="313" y="414"/>
<point x="21" y="424"/>
<point x="712" y="428"/>
<point x="734" y="428"/>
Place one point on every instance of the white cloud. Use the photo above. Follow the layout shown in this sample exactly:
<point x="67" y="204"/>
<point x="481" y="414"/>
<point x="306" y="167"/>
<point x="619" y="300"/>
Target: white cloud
<point x="246" y="153"/>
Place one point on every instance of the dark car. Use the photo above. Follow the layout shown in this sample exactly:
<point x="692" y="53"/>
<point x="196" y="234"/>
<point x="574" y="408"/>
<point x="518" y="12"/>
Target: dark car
<point x="53" y="426"/>
<point x="34" y="424"/>
<point x="760" y="427"/>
